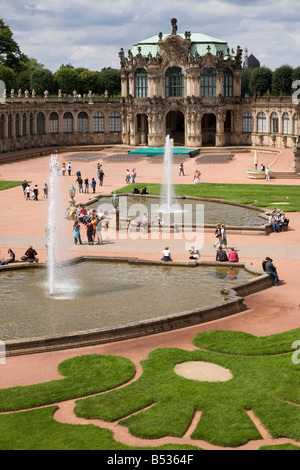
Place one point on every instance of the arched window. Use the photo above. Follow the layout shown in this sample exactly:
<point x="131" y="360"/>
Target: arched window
<point x="247" y="122"/>
<point x="98" y="123"/>
<point x="208" y="83"/>
<point x="115" y="124"/>
<point x="295" y="124"/>
<point x="141" y="83"/>
<point x="174" y="82"/>
<point x="9" y="128"/>
<point x="83" y="123"/>
<point x="31" y="128"/>
<point x="24" y="125"/>
<point x="17" y="123"/>
<point x="68" y="123"/>
<point x="228" y="83"/>
<point x="53" y="123"/>
<point x="286" y="128"/>
<point x="261" y="123"/>
<point x="274" y="123"/>
<point x="40" y="124"/>
<point x="2" y="126"/>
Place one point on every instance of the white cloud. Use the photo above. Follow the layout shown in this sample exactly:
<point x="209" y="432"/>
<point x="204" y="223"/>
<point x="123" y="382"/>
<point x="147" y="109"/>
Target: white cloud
<point x="90" y="34"/>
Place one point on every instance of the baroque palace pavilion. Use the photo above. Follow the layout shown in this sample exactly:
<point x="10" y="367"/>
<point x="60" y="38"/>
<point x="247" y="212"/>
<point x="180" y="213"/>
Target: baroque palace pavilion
<point x="185" y="85"/>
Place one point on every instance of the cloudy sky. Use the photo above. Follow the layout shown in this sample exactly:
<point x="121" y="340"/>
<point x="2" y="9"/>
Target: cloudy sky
<point x="90" y="34"/>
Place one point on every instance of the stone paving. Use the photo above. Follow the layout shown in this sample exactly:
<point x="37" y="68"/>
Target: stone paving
<point x="272" y="311"/>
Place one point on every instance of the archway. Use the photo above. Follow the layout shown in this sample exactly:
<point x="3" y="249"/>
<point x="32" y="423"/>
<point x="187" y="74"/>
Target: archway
<point x="175" y="127"/>
<point x="209" y="129"/>
<point x="142" y="129"/>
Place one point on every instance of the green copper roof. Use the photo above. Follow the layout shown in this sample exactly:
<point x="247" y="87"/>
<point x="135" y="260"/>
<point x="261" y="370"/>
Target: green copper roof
<point x="199" y="41"/>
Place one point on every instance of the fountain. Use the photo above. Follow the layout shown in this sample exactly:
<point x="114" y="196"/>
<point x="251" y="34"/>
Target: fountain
<point x="58" y="284"/>
<point x="168" y="195"/>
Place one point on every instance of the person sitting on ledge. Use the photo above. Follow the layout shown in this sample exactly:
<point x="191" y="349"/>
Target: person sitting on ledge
<point x="11" y="259"/>
<point x="194" y="253"/>
<point x="233" y="257"/>
<point x="166" y="255"/>
<point x="270" y="269"/>
<point x="30" y="255"/>
<point x="136" y="190"/>
<point x="221" y="255"/>
<point x="144" y="191"/>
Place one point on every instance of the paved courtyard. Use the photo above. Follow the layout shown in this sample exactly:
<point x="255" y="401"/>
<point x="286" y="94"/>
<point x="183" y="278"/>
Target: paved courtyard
<point x="272" y="311"/>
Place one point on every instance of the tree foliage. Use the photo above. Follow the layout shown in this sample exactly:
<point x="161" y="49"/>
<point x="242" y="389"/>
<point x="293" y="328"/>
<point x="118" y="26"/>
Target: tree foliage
<point x="261" y="80"/>
<point x="42" y="80"/>
<point x="283" y="80"/>
<point x="8" y="76"/>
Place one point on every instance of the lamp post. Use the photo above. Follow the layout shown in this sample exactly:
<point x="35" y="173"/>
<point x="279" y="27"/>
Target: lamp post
<point x="115" y="203"/>
<point x="72" y="192"/>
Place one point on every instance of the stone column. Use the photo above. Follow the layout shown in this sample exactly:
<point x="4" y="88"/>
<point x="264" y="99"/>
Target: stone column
<point x="220" y="82"/>
<point x="220" y="135"/>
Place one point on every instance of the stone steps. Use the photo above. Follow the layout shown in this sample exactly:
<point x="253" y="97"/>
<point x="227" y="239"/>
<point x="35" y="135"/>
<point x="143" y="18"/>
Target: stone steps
<point x="284" y="175"/>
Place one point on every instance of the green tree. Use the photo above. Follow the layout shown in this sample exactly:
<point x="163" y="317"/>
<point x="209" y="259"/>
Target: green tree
<point x="109" y="79"/>
<point x="67" y="79"/>
<point x="296" y="74"/>
<point x="42" y="80"/>
<point x="88" y="81"/>
<point x="283" y="80"/>
<point x="261" y="80"/>
<point x="8" y="76"/>
<point x="246" y="77"/>
<point x="10" y="53"/>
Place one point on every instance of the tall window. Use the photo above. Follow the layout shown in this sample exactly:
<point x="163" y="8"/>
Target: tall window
<point x="208" y="83"/>
<point x="24" y="125"/>
<point x="286" y="123"/>
<point x="141" y="83"/>
<point x="9" y="129"/>
<point x="31" y="127"/>
<point x="98" y="123"/>
<point x="68" y="123"/>
<point x="115" y="124"/>
<point x="53" y="123"/>
<point x="247" y="122"/>
<point x="40" y="124"/>
<point x="228" y="83"/>
<point x="261" y="123"/>
<point x="295" y="124"/>
<point x="274" y="123"/>
<point x="2" y="126"/>
<point x="17" y="123"/>
<point x="83" y="123"/>
<point x="174" y="83"/>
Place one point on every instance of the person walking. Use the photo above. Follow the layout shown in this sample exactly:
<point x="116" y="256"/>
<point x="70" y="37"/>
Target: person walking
<point x="93" y="184"/>
<point x="69" y="168"/>
<point x="86" y="186"/>
<point x="76" y="233"/>
<point x="36" y="193"/>
<point x="223" y="236"/>
<point x="101" y="176"/>
<point x="45" y="189"/>
<point x="181" y="169"/>
<point x="268" y="174"/>
<point x="80" y="184"/>
<point x="28" y="192"/>
<point x="218" y="235"/>
<point x="24" y="186"/>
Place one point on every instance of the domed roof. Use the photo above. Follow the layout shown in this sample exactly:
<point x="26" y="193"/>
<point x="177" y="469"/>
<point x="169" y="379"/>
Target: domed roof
<point x="253" y="62"/>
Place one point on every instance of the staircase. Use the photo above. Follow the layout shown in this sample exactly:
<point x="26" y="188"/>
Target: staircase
<point x="284" y="175"/>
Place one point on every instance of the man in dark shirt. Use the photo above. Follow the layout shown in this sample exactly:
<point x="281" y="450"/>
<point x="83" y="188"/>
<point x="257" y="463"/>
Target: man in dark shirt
<point x="31" y="255"/>
<point x="221" y="254"/>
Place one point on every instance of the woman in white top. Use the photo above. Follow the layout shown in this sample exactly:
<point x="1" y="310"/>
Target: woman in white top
<point x="166" y="255"/>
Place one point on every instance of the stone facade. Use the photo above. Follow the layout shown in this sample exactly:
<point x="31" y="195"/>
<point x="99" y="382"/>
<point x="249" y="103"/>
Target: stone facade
<point x="187" y="86"/>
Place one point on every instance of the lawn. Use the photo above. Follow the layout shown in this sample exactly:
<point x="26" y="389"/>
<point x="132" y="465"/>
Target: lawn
<point x="265" y="380"/>
<point x="9" y="184"/>
<point x="264" y="195"/>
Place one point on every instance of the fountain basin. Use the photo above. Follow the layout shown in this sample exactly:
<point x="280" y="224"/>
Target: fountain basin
<point x="215" y="211"/>
<point x="119" y="299"/>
